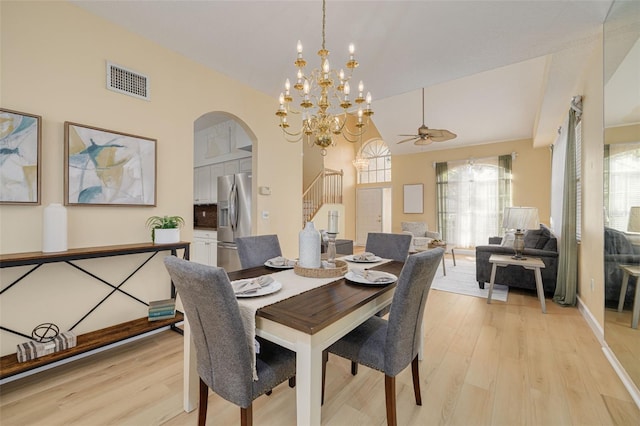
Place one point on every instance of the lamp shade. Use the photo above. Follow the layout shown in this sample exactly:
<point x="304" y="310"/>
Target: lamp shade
<point x="520" y="218"/>
<point x="634" y="219"/>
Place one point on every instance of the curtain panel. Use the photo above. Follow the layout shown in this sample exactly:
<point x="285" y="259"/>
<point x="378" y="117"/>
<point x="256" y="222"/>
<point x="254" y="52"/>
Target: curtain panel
<point x="567" y="282"/>
<point x="442" y="180"/>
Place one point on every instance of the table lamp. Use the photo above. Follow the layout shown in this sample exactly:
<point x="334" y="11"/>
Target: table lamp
<point x="634" y="219"/>
<point x="520" y="219"/>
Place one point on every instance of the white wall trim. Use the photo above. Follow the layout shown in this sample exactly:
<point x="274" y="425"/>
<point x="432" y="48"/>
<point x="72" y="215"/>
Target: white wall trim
<point x="618" y="368"/>
<point x="591" y="321"/>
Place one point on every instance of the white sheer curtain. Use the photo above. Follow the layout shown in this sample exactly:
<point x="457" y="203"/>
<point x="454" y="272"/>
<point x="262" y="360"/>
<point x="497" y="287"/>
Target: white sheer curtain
<point x="472" y="201"/>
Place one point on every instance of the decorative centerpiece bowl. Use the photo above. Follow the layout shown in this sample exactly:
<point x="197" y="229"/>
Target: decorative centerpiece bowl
<point x="437" y="243"/>
<point x="340" y="269"/>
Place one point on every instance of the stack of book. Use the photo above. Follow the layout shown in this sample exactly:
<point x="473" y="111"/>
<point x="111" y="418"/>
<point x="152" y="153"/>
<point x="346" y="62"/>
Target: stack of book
<point x="32" y="349"/>
<point x="162" y="309"/>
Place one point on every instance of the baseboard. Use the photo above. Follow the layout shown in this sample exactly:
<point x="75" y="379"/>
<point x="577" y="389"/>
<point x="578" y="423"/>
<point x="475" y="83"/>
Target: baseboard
<point x="595" y="326"/>
<point x="611" y="357"/>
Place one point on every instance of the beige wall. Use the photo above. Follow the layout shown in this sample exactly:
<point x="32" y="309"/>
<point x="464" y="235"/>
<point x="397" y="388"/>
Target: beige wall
<point x="339" y="158"/>
<point x="590" y="257"/>
<point x="530" y="187"/>
<point x="53" y="58"/>
<point x="622" y="134"/>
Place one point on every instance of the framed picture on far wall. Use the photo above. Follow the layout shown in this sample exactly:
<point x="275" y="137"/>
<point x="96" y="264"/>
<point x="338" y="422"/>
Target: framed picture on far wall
<point x="107" y="168"/>
<point x="20" y="150"/>
<point x="413" y="201"/>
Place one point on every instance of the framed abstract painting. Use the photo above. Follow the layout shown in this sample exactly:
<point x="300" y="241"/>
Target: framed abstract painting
<point x="20" y="150"/>
<point x="107" y="168"/>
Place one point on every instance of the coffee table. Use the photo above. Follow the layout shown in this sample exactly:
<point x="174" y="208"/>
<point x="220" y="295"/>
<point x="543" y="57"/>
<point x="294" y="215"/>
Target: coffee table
<point x="448" y="249"/>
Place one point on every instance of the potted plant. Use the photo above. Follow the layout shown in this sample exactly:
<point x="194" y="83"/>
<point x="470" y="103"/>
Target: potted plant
<point x="165" y="229"/>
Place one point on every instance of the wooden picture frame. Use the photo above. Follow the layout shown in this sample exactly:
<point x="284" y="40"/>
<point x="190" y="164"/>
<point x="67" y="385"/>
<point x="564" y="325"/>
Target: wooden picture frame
<point x="413" y="198"/>
<point x="20" y="157"/>
<point x="108" y="168"/>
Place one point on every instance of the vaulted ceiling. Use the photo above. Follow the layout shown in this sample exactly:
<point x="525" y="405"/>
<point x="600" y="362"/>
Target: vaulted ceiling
<point x="492" y="70"/>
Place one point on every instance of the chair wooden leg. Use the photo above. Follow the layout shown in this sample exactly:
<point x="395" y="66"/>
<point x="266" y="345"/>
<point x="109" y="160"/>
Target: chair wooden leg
<point x="204" y="399"/>
<point x="292" y="382"/>
<point x="390" y="397"/>
<point x="416" y="380"/>
<point x="246" y="416"/>
<point x="354" y="368"/>
<point x="325" y="359"/>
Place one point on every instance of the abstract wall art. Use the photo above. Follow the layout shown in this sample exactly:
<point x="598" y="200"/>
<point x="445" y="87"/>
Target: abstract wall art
<point x="20" y="145"/>
<point x="103" y="167"/>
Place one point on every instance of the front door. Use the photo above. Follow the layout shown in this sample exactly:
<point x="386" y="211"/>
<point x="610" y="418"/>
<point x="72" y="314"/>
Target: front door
<point x="369" y="208"/>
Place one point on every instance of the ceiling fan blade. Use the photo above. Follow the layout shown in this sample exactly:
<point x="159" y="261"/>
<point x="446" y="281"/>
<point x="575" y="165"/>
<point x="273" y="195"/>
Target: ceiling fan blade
<point x="415" y="136"/>
<point x="423" y="141"/>
<point x="407" y="140"/>
<point x="444" y="135"/>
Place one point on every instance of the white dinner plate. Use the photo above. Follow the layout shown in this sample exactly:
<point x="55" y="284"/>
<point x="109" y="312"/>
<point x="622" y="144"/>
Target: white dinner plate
<point x="351" y="258"/>
<point x="270" y="265"/>
<point x="268" y="289"/>
<point x="389" y="278"/>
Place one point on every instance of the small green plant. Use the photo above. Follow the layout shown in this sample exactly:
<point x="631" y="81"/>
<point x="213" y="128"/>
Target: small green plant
<point x="163" y="222"/>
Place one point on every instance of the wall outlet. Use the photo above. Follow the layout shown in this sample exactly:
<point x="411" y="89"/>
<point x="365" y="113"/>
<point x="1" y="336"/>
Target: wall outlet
<point x="592" y="284"/>
<point x="265" y="215"/>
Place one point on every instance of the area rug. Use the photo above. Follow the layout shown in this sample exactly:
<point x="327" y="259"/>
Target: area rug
<point x="461" y="279"/>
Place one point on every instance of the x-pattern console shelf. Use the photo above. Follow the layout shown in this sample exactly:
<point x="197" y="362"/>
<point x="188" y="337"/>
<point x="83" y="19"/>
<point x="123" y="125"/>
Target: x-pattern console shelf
<point x="9" y="365"/>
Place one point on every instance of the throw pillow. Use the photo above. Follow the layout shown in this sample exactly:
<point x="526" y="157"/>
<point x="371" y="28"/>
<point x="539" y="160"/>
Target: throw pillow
<point x="508" y="239"/>
<point x="531" y="238"/>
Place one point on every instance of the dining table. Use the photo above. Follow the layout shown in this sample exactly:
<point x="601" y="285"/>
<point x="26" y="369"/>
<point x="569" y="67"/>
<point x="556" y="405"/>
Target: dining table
<point x="306" y="323"/>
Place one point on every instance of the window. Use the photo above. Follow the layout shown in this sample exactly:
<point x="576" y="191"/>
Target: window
<point x="622" y="183"/>
<point x="472" y="195"/>
<point x="379" y="168"/>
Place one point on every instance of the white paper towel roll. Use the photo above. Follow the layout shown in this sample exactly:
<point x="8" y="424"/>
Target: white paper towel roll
<point x="54" y="228"/>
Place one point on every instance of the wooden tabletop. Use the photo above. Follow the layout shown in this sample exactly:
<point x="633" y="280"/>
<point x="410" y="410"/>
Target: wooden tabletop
<point x="315" y="309"/>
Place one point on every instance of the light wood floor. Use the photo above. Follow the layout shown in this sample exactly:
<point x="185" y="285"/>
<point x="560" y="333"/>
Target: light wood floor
<point x="498" y="364"/>
<point x="623" y="340"/>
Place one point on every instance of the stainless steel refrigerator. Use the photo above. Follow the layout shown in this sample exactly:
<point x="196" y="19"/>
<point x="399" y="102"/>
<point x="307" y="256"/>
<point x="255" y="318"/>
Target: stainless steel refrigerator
<point x="234" y="217"/>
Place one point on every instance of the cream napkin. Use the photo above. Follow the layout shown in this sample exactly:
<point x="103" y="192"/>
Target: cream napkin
<point x="372" y="276"/>
<point x="366" y="256"/>
<point x="281" y="261"/>
<point x="252" y="285"/>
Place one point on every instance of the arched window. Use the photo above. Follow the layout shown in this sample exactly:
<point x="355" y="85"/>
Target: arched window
<point x="379" y="162"/>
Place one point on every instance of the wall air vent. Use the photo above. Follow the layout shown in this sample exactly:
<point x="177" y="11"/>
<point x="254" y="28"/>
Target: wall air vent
<point x="127" y="82"/>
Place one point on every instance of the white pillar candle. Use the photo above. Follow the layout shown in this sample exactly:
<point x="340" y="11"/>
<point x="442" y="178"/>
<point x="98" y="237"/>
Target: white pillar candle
<point x="333" y="222"/>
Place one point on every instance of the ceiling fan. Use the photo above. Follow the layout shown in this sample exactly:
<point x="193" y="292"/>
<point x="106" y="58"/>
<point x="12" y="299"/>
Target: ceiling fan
<point x="426" y="135"/>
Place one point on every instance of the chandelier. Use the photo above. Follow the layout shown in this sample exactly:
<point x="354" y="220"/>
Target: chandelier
<point x="361" y="163"/>
<point x="325" y="101"/>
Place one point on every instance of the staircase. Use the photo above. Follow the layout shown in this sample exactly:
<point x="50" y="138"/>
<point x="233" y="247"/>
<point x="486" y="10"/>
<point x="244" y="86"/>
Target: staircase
<point x="325" y="188"/>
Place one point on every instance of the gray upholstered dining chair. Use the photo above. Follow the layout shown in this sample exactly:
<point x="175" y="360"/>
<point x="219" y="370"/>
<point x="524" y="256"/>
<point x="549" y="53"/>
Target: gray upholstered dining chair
<point x="388" y="246"/>
<point x="390" y="346"/>
<point x="222" y="351"/>
<point x="255" y="250"/>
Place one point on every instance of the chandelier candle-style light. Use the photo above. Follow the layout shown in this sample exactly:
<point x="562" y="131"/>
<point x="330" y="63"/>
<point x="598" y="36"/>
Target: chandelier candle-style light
<point x="325" y="101"/>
